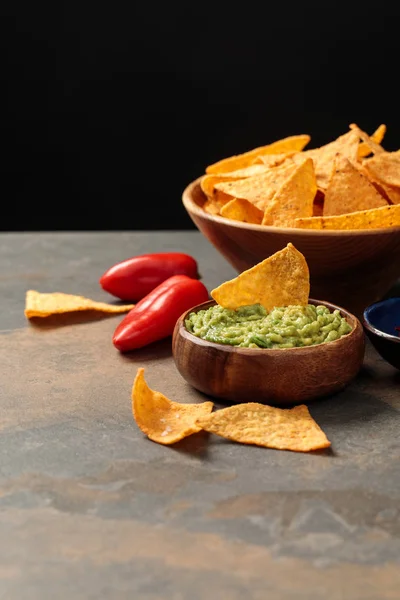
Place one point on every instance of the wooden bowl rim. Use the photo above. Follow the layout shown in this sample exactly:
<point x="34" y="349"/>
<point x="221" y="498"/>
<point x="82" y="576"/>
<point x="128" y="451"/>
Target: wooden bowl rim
<point x="350" y="318"/>
<point x="191" y="206"/>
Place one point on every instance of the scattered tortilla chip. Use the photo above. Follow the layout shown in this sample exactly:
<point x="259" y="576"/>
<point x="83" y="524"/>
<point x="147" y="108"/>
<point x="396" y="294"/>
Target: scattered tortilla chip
<point x="368" y="141"/>
<point x="324" y="157"/>
<point x="240" y="209"/>
<point x="280" y="280"/>
<point x="384" y="168"/>
<point x="377" y="137"/>
<point x="161" y="419"/>
<point x="375" y="218"/>
<point x="44" y="305"/>
<point x="294" y="143"/>
<point x="294" y="199"/>
<point x="349" y="190"/>
<point x="259" y="189"/>
<point x="267" y="426"/>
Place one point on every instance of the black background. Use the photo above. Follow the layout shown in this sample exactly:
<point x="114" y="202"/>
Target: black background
<point x="112" y="108"/>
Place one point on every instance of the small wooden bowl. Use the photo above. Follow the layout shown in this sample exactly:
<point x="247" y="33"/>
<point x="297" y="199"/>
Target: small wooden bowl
<point x="349" y="268"/>
<point x="284" y="376"/>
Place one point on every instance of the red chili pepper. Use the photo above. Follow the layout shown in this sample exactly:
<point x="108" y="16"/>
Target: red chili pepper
<point x="134" y="278"/>
<point x="155" y="316"/>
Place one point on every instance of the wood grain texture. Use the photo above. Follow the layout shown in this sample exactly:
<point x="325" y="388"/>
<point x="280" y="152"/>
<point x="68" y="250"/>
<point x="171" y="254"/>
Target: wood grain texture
<point x="349" y="268"/>
<point x="284" y="376"/>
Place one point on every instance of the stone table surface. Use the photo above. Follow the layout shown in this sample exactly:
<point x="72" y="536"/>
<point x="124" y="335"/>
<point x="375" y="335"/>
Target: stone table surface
<point x="91" y="509"/>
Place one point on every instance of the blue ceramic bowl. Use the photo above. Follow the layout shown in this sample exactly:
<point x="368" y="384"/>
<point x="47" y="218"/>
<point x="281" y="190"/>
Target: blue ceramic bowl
<point x="380" y="320"/>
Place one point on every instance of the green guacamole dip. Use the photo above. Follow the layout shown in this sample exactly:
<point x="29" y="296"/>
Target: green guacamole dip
<point x="282" y="327"/>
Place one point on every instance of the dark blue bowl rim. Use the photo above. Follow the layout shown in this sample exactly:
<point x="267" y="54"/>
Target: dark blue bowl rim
<point x="368" y="325"/>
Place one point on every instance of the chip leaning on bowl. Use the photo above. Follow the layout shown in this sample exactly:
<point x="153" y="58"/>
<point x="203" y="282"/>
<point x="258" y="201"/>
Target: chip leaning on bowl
<point x="267" y="307"/>
<point x="351" y="183"/>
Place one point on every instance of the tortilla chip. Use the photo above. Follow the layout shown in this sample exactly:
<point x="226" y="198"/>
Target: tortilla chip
<point x="377" y="137"/>
<point x="259" y="189"/>
<point x="392" y="193"/>
<point x="349" y="190"/>
<point x="44" y="305"/>
<point x="211" y="207"/>
<point x="267" y="426"/>
<point x="324" y="157"/>
<point x="375" y="218"/>
<point x="279" y="280"/>
<point x="272" y="160"/>
<point x="294" y="143"/>
<point x="294" y="199"/>
<point x="161" y="419"/>
<point x="208" y="182"/>
<point x="239" y="209"/>
<point x="368" y="141"/>
<point x="384" y="168"/>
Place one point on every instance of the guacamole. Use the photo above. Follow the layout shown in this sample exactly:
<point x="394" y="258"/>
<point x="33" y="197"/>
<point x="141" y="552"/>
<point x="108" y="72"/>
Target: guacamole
<point x="282" y="327"/>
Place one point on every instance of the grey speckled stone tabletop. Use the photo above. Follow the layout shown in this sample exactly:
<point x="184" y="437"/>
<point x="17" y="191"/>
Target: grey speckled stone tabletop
<point x="91" y="509"/>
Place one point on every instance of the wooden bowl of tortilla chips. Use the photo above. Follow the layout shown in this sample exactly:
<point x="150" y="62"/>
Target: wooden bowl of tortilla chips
<point x="338" y="204"/>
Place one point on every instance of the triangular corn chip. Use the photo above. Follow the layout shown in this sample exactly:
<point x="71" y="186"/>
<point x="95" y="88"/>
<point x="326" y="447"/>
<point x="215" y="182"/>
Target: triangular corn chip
<point x="272" y="160"/>
<point x="211" y="207"/>
<point x="367" y="140"/>
<point x="375" y="218"/>
<point x="259" y="189"/>
<point x="349" y="190"/>
<point x="267" y="426"/>
<point x="391" y="193"/>
<point x="280" y="280"/>
<point x="208" y="182"/>
<point x="39" y="304"/>
<point x="162" y="420"/>
<point x="384" y="167"/>
<point x="324" y="157"/>
<point x="377" y="137"/>
<point x="240" y="209"/>
<point x="294" y="143"/>
<point x="294" y="199"/>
